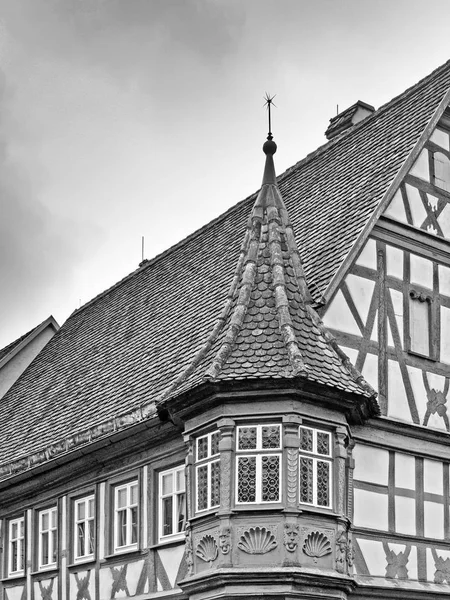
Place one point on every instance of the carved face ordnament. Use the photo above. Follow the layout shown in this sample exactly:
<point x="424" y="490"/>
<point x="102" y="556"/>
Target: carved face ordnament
<point x="291" y="536"/>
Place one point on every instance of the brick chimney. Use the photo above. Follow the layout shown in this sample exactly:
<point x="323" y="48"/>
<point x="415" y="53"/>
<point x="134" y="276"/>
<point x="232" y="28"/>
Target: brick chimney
<point x="347" y="118"/>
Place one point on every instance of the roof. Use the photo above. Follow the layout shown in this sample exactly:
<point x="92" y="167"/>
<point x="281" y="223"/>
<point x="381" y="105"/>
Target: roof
<point x="118" y="354"/>
<point x="267" y="328"/>
<point x="11" y="349"/>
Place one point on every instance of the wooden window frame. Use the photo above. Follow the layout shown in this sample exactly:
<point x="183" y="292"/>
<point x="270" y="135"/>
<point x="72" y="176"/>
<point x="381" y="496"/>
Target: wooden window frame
<point x="416" y="294"/>
<point x="315" y="456"/>
<point x="178" y="535"/>
<point x="21" y="552"/>
<point x="115" y="487"/>
<point x="207" y="461"/>
<point x="53" y="546"/>
<point x="74" y="530"/>
<point x="434" y="149"/>
<point x="259" y="453"/>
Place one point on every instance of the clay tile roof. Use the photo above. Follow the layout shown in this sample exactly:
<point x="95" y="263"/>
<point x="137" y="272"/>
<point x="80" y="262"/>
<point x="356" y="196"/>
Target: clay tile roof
<point x="120" y="353"/>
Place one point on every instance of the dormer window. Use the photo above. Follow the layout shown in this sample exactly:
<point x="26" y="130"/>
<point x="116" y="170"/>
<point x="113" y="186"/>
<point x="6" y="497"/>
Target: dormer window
<point x="258" y="469"/>
<point x="315" y="467"/>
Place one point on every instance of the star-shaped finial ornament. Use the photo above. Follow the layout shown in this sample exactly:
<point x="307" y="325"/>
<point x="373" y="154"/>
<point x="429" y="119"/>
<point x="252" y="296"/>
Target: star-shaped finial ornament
<point x="269" y="102"/>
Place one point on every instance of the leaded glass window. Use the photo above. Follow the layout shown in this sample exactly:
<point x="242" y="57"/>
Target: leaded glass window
<point x="207" y="471"/>
<point x="258" y="470"/>
<point x="172" y="503"/>
<point x="315" y="467"/>
<point x="84" y="527"/>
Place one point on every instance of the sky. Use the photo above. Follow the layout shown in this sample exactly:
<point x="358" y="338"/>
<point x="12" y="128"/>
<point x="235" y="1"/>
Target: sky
<point x="128" y="118"/>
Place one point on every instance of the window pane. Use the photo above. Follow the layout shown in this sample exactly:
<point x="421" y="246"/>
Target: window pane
<point x="122" y="528"/>
<point x="14" y="555"/>
<point x="181" y="481"/>
<point x="271" y="436"/>
<point x="202" y="487"/>
<point x="91" y="508"/>
<point x="202" y="447"/>
<point x="215" y="438"/>
<point x="247" y="438"/>
<point x="306" y="439"/>
<point x="181" y="512"/>
<point x="134" y="525"/>
<point x="45" y="521"/>
<point x="21" y="528"/>
<point x="215" y="483"/>
<point x="91" y="537"/>
<point x="134" y="494"/>
<point x="81" y="510"/>
<point x="53" y="519"/>
<point x="323" y="443"/>
<point x="13" y="531"/>
<point x="167" y="505"/>
<point x="44" y="549"/>
<point x="270" y="479"/>
<point x="323" y="483"/>
<point x="54" y="544"/>
<point x="80" y="539"/>
<point x="306" y="480"/>
<point x="419" y="326"/>
<point x="167" y="484"/>
<point x="246" y="479"/>
<point x="122" y="498"/>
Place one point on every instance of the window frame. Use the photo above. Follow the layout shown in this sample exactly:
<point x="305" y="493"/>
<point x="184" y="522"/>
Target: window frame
<point x="115" y="488"/>
<point x="174" y="494"/>
<point x="259" y="453"/>
<point x="21" y="547"/>
<point x="428" y="297"/>
<point x="316" y="457"/>
<point x="53" y="541"/>
<point x="74" y="529"/>
<point x="208" y="460"/>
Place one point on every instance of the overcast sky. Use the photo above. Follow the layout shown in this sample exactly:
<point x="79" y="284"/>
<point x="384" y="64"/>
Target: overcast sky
<point x="129" y="118"/>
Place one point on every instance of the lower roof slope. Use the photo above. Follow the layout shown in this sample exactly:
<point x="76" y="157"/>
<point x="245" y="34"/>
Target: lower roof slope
<point x="124" y="349"/>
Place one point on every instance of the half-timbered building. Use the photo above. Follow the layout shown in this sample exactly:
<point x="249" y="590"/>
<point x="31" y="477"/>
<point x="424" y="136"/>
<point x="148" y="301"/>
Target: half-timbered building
<point x="261" y="410"/>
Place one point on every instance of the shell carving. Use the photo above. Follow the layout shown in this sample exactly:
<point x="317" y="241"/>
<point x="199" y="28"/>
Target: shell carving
<point x="257" y="540"/>
<point x="316" y="545"/>
<point x="207" y="549"/>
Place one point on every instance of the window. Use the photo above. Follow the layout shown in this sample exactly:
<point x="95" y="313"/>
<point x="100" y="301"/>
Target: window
<point x="315" y="467"/>
<point x="258" y="472"/>
<point x="441" y="170"/>
<point x="84" y="524"/>
<point x="16" y="553"/>
<point x="207" y="471"/>
<point x="419" y="323"/>
<point x="126" y="516"/>
<point x="172" y="503"/>
<point x="48" y="535"/>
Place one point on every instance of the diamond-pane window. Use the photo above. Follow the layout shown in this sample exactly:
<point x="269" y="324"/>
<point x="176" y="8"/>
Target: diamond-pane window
<point x="315" y="467"/>
<point x="207" y="471"/>
<point x="258" y="468"/>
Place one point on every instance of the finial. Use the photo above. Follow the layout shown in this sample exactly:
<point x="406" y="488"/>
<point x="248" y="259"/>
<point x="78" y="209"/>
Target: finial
<point x="269" y="147"/>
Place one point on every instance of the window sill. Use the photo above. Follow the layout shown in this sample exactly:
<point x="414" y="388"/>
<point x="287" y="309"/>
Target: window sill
<point x="276" y="506"/>
<point x="44" y="571"/>
<point x="168" y="543"/>
<point x="123" y="553"/>
<point x="81" y="563"/>
<point x="13" y="577"/>
<point x="207" y="513"/>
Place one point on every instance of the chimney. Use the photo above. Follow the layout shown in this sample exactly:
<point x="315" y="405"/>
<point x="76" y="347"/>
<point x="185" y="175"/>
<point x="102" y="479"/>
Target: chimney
<point x="347" y="118"/>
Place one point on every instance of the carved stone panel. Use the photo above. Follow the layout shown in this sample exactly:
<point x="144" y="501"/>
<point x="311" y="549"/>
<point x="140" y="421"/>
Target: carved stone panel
<point x="317" y="547"/>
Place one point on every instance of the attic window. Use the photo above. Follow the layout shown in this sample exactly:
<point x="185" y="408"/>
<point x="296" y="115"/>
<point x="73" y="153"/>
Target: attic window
<point x="420" y="330"/>
<point x="441" y="170"/>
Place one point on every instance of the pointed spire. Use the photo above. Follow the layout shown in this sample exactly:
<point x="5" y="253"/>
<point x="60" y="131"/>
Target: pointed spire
<point x="267" y="328"/>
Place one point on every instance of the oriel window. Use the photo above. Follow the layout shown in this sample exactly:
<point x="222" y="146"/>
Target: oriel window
<point x="207" y="471"/>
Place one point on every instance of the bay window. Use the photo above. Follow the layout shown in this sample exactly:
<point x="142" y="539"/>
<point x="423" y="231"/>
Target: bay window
<point x="315" y="467"/>
<point x="207" y="471"/>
